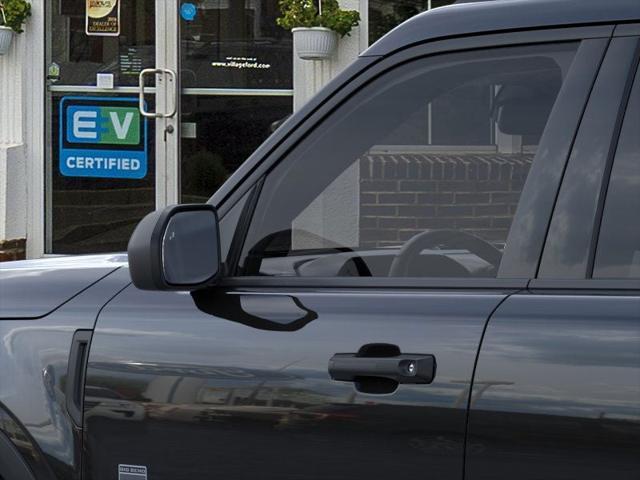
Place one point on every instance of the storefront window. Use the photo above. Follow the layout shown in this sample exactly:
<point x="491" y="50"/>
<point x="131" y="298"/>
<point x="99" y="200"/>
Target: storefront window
<point x="108" y="165"/>
<point x="78" y="57"/>
<point x="236" y="44"/>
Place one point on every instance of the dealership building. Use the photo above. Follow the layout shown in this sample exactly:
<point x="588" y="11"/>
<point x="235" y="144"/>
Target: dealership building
<point x="85" y="152"/>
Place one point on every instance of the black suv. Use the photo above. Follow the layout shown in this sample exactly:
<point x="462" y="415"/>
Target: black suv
<point x="430" y="271"/>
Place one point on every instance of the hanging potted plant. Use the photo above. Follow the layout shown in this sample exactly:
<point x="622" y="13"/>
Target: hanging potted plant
<point x="13" y="15"/>
<point x="316" y="29"/>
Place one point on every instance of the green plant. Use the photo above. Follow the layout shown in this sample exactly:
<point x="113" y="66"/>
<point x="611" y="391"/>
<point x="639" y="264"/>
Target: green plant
<point x="14" y="14"/>
<point x="304" y="13"/>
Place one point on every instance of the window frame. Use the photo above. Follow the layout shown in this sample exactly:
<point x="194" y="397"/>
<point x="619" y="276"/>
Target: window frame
<point x="586" y="282"/>
<point x="634" y="77"/>
<point x="357" y="77"/>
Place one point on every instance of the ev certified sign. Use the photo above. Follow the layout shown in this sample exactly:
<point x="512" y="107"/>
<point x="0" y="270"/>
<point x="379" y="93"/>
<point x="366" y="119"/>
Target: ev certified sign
<point x="102" y="138"/>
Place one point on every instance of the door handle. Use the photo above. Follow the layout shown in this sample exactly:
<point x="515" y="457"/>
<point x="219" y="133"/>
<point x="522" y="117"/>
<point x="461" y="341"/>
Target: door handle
<point x="408" y="368"/>
<point x="173" y="78"/>
<point x="385" y="363"/>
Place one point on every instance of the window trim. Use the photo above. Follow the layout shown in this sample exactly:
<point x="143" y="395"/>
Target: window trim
<point x="376" y="283"/>
<point x="586" y="284"/>
<point x="634" y="77"/>
<point x="627" y="30"/>
<point x="623" y="96"/>
<point x="314" y="114"/>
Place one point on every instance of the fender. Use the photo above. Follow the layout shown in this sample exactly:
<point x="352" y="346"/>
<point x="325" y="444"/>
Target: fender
<point x="33" y="289"/>
<point x="20" y="455"/>
<point x="12" y="465"/>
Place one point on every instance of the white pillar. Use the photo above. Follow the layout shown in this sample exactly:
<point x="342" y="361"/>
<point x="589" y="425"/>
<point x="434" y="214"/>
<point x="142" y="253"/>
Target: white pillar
<point x="13" y="181"/>
<point x="334" y="215"/>
<point x="310" y="76"/>
<point x="22" y="135"/>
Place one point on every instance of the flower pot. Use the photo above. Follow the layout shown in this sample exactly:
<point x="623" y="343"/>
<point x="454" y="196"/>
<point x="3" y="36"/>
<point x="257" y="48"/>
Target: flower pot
<point x="316" y="43"/>
<point x="6" y="36"/>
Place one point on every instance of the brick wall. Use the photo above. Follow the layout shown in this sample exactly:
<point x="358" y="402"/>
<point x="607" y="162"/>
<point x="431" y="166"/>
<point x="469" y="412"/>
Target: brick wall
<point x="12" y="250"/>
<point x="402" y="195"/>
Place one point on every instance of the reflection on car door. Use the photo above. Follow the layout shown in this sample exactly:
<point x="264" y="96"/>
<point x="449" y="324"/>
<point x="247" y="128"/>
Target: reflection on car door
<point x="236" y="399"/>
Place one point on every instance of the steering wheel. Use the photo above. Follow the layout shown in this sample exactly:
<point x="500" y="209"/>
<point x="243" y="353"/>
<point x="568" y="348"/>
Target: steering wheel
<point x="454" y="239"/>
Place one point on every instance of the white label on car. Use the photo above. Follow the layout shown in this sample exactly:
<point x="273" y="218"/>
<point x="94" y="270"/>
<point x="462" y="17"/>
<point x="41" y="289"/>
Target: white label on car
<point x="132" y="472"/>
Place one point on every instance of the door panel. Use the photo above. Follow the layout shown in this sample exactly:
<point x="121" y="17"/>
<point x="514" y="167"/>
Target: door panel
<point x="557" y="390"/>
<point x="233" y="383"/>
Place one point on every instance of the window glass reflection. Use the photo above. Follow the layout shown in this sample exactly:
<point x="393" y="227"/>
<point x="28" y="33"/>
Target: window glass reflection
<point x="618" y="253"/>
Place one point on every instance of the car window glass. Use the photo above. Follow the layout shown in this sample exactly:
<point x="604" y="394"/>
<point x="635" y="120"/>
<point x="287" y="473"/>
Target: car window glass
<point x="618" y="250"/>
<point x="417" y="175"/>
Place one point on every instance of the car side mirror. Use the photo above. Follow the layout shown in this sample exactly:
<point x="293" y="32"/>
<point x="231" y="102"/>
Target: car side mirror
<point x="177" y="248"/>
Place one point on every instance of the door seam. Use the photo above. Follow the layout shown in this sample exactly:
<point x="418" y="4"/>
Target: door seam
<point x="473" y="377"/>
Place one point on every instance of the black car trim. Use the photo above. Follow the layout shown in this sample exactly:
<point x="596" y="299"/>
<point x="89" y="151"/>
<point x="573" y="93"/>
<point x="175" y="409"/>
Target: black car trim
<point x="240" y="235"/>
<point x="523" y="252"/>
<point x="595" y="284"/>
<point x="627" y="30"/>
<point x="374" y="282"/>
<point x="621" y="96"/>
<point x="76" y="370"/>
<point x="566" y="163"/>
<point x="12" y="465"/>
<point x="613" y="149"/>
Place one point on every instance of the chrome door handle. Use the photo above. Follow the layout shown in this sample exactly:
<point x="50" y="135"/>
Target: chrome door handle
<point x="173" y="78"/>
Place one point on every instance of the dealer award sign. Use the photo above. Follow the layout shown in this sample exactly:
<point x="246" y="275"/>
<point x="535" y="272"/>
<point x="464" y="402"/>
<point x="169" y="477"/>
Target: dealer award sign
<point x="103" y="18"/>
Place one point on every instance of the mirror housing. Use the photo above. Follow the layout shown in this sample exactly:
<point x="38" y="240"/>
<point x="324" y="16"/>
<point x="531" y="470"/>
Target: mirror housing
<point x="177" y="248"/>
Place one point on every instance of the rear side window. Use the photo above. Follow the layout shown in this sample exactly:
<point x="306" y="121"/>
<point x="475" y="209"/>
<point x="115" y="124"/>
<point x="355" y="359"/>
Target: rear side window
<point x="417" y="175"/>
<point x="618" y="250"/>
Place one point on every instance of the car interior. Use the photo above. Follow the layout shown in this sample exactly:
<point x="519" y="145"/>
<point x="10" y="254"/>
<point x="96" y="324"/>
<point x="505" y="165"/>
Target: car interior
<point x="323" y="240"/>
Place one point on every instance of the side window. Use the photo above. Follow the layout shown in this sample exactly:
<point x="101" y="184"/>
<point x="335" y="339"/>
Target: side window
<point x="419" y="174"/>
<point x="618" y="250"/>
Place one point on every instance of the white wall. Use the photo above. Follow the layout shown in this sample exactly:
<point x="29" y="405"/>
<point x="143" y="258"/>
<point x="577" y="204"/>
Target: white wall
<point x="13" y="205"/>
<point x="310" y="76"/>
<point x="22" y="135"/>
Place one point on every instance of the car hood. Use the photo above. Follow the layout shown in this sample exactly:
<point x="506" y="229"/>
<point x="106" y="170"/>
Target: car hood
<point x="34" y="288"/>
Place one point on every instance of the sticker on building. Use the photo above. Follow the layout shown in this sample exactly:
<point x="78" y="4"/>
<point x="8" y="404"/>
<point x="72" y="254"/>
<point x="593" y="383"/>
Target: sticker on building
<point x="102" y="138"/>
<point x="132" y="472"/>
<point x="103" y="18"/>
<point x="188" y="11"/>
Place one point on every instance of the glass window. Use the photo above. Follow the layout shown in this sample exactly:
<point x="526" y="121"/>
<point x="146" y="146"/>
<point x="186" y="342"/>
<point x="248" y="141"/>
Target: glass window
<point x="618" y="252"/>
<point x="236" y="44"/>
<point x="79" y="57"/>
<point x="95" y="215"/>
<point x="419" y="174"/>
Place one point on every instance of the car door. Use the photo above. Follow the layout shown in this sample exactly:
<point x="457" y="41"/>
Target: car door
<point x="390" y="232"/>
<point x="557" y="388"/>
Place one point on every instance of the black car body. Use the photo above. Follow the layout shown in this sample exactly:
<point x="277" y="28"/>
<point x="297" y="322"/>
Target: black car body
<point x="516" y="330"/>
